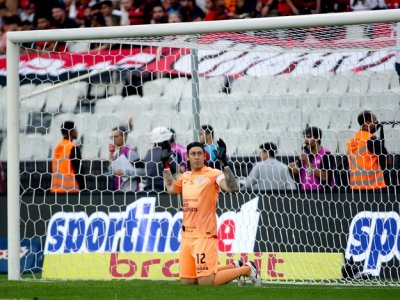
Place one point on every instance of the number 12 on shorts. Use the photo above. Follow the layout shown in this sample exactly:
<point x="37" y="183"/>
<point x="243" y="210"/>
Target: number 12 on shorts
<point x="200" y="258"/>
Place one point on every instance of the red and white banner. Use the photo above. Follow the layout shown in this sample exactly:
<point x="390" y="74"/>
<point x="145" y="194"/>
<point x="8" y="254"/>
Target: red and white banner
<point x="243" y="57"/>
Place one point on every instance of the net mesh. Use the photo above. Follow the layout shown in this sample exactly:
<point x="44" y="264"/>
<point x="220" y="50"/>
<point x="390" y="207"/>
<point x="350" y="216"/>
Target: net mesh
<point x="254" y="88"/>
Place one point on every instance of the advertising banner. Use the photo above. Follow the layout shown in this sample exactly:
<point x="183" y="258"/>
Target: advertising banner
<point x="253" y="56"/>
<point x="31" y="255"/>
<point x="165" y="266"/>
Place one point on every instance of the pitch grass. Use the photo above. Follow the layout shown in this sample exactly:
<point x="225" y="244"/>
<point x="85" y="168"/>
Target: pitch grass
<point x="163" y="290"/>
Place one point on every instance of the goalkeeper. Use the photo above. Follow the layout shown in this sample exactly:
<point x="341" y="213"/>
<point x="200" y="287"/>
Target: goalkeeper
<point x="199" y="188"/>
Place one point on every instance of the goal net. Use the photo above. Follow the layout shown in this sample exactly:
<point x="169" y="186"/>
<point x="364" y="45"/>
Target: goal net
<point x="262" y="91"/>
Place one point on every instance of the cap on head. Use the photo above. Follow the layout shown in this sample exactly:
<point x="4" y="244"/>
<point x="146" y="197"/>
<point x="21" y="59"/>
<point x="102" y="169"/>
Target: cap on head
<point x="160" y="134"/>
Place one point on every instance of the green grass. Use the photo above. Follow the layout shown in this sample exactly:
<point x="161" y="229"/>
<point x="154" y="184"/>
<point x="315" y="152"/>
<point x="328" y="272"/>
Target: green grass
<point x="138" y="289"/>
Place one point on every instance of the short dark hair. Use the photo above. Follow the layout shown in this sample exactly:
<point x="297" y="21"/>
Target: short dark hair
<point x="364" y="117"/>
<point x="270" y="148"/>
<point x="315" y="132"/>
<point x="194" y="144"/>
<point x="122" y="129"/>
<point x="66" y="127"/>
<point x="208" y="129"/>
<point x="173" y="136"/>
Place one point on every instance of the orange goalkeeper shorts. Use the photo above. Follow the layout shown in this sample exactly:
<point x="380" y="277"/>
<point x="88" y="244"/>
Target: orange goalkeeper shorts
<point x="198" y="257"/>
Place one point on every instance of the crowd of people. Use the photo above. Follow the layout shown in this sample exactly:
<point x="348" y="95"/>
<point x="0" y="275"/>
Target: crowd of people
<point x="314" y="169"/>
<point x="59" y="14"/>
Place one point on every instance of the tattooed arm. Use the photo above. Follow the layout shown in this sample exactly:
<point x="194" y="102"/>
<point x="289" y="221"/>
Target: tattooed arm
<point x="229" y="184"/>
<point x="169" y="181"/>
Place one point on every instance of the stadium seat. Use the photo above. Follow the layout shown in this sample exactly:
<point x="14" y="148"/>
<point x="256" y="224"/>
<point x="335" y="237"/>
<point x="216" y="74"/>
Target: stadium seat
<point x="386" y="114"/>
<point x="330" y="140"/>
<point x="359" y="83"/>
<point x="338" y="84"/>
<point x="161" y="119"/>
<point x="340" y="119"/>
<point x="174" y="89"/>
<point x="181" y="122"/>
<point x="379" y="82"/>
<point x="343" y="136"/>
<point x="105" y="122"/>
<point x="309" y="102"/>
<point x="318" y="85"/>
<point x="242" y="84"/>
<point x="261" y="85"/>
<point x="108" y="105"/>
<point x="290" y="143"/>
<point x="329" y="101"/>
<point x="86" y="123"/>
<point x="279" y="85"/>
<point x="210" y="85"/>
<point x="392" y="138"/>
<point x="320" y="118"/>
<point x="97" y="90"/>
<point x="351" y="102"/>
<point x="155" y="87"/>
<point x="90" y="151"/>
<point x="298" y="85"/>
<point x="394" y="84"/>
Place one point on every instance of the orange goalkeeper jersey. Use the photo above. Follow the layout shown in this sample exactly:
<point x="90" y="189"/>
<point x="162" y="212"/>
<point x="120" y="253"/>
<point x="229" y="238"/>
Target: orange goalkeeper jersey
<point x="199" y="201"/>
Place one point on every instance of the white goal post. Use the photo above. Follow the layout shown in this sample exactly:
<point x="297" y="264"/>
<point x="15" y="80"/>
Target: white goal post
<point x="14" y="39"/>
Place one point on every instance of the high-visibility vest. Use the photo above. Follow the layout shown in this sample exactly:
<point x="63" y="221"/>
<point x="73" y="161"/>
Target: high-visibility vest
<point x="63" y="178"/>
<point x="365" y="173"/>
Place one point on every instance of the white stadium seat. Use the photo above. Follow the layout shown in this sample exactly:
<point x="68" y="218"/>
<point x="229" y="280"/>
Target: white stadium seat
<point x="338" y="84"/>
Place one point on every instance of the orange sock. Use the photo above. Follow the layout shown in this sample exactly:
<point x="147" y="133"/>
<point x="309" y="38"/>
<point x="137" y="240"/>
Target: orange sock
<point x="227" y="275"/>
<point x="226" y="267"/>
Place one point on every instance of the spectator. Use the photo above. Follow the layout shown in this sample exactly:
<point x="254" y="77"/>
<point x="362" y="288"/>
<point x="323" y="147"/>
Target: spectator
<point x="307" y="7"/>
<point x="137" y="14"/>
<point x="284" y="8"/>
<point x="3" y="181"/>
<point x="392" y="4"/>
<point x="60" y="19"/>
<point x="124" y="162"/>
<point x="367" y="155"/>
<point x="314" y="168"/>
<point x="360" y="5"/>
<point x="243" y="10"/>
<point x="43" y="23"/>
<point x="160" y="137"/>
<point x="268" y="8"/>
<point x="158" y="16"/>
<point x="126" y="6"/>
<point x="190" y="11"/>
<point x="66" y="164"/>
<point x="27" y="12"/>
<point x="216" y="10"/>
<point x="106" y="9"/>
<point x="180" y="151"/>
<point x="206" y="137"/>
<point x="71" y="9"/>
<point x="10" y="23"/>
<point x="174" y="17"/>
<point x="269" y="173"/>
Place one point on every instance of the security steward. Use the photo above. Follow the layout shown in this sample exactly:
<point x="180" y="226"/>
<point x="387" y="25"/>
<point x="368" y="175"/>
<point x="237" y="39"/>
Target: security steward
<point x="66" y="164"/>
<point x="367" y="154"/>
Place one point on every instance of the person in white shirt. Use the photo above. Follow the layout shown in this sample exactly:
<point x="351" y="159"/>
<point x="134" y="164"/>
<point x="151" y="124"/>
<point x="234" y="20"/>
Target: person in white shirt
<point x="269" y="173"/>
<point x="124" y="161"/>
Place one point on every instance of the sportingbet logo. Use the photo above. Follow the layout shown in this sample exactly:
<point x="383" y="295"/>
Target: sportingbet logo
<point x="374" y="238"/>
<point x="141" y="229"/>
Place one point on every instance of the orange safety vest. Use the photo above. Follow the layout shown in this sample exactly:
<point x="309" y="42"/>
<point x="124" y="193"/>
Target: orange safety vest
<point x="365" y="173"/>
<point x="63" y="179"/>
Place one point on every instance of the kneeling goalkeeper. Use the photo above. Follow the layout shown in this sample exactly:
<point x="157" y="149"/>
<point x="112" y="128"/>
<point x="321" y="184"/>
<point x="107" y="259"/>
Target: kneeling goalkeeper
<point x="198" y="258"/>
